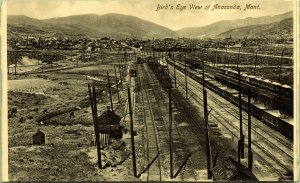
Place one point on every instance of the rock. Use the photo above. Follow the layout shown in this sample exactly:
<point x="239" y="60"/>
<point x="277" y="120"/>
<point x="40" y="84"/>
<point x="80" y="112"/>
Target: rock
<point x="77" y="107"/>
<point x="35" y="109"/>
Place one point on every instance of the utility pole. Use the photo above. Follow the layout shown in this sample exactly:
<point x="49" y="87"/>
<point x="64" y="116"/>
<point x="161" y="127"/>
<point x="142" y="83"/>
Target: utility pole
<point x="174" y="70"/>
<point x="186" y="89"/>
<point x="95" y="120"/>
<point x="208" y="150"/>
<point x="255" y="62"/>
<point x="250" y="155"/>
<point x="121" y="78"/>
<point x="16" y="62"/>
<point x="225" y="57"/>
<point x="238" y="60"/>
<point x="153" y="52"/>
<point x="216" y="57"/>
<point x="203" y="78"/>
<point x="109" y="91"/>
<point x="170" y="132"/>
<point x="241" y="141"/>
<point x="132" y="135"/>
<point x="279" y="77"/>
<point x="117" y="86"/>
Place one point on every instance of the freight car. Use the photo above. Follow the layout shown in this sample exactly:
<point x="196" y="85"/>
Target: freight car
<point x="132" y="70"/>
<point x="283" y="90"/>
<point x="270" y="99"/>
<point x="274" y="122"/>
<point x="193" y="63"/>
<point x="160" y="69"/>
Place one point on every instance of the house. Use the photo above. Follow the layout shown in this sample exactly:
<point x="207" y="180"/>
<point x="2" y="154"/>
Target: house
<point x="108" y="122"/>
<point x="38" y="138"/>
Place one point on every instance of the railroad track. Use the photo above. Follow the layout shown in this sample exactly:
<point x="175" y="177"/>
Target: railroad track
<point x="188" y="172"/>
<point x="265" y="133"/>
<point x="154" y="173"/>
<point x="282" y="158"/>
<point x="285" y="144"/>
<point x="184" y="148"/>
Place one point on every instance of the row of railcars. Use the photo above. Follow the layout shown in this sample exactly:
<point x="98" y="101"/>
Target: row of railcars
<point x="272" y="99"/>
<point x="160" y="69"/>
<point x="273" y="95"/>
<point x="283" y="90"/>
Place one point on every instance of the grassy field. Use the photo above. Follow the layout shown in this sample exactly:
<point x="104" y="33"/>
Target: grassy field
<point x="67" y="154"/>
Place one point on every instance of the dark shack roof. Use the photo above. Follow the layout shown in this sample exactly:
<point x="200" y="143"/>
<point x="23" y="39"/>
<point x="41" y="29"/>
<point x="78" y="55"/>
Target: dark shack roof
<point x="231" y="170"/>
<point x="39" y="133"/>
<point x="109" y="118"/>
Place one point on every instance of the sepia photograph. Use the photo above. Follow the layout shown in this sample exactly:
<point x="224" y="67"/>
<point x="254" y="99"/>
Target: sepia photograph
<point x="169" y="90"/>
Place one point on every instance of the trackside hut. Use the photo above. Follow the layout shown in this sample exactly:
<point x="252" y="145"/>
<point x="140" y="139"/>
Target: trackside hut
<point x="38" y="138"/>
<point x="108" y="122"/>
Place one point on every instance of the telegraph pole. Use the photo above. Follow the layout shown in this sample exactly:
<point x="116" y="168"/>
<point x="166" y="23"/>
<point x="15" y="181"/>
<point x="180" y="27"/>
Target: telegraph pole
<point x="109" y="91"/>
<point x="279" y="77"/>
<point x="121" y="78"/>
<point x="216" y="57"/>
<point x="208" y="152"/>
<point x="117" y="86"/>
<point x="250" y="155"/>
<point x="132" y="135"/>
<point x="255" y="62"/>
<point x="238" y="60"/>
<point x="186" y="89"/>
<point x="16" y="66"/>
<point x="241" y="141"/>
<point x="203" y="78"/>
<point x="174" y="70"/>
<point x="170" y="132"/>
<point x="95" y="120"/>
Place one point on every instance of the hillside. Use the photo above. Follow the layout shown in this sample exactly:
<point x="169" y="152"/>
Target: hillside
<point x="90" y="25"/>
<point x="282" y="29"/>
<point x="123" y="26"/>
<point x="217" y="28"/>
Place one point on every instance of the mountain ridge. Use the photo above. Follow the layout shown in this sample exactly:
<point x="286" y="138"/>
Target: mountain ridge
<point x="214" y="29"/>
<point x="91" y="25"/>
<point x="124" y="26"/>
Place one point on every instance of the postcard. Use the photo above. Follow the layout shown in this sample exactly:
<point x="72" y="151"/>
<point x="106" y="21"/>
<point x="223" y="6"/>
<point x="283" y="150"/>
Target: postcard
<point x="156" y="90"/>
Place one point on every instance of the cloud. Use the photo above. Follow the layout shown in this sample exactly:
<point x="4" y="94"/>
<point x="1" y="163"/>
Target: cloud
<point x="146" y="9"/>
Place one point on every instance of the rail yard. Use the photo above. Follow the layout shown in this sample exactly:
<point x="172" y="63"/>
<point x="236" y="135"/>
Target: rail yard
<point x="151" y="114"/>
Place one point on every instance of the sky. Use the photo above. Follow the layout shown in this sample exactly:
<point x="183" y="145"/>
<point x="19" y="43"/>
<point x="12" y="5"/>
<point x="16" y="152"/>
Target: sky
<point x="147" y="10"/>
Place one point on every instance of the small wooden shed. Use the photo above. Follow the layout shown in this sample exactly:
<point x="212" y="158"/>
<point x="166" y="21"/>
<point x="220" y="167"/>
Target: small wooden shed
<point x="230" y="170"/>
<point x="109" y="123"/>
<point x="38" y="138"/>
